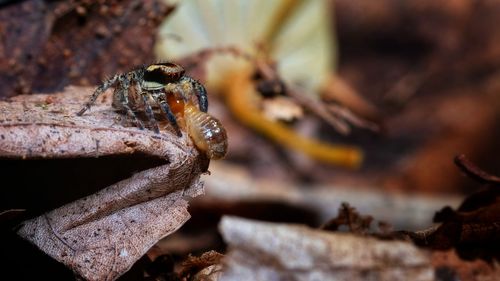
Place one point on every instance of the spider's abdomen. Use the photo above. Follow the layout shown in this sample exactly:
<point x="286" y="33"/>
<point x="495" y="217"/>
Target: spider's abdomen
<point x="207" y="132"/>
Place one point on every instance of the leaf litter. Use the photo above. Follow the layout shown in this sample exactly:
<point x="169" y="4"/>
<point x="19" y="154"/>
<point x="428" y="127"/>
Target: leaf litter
<point x="102" y="235"/>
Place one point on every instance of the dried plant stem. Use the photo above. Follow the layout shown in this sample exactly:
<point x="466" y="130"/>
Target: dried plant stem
<point x="337" y="90"/>
<point x="238" y="93"/>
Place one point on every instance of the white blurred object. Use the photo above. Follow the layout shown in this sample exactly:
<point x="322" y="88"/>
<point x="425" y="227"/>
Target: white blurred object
<point x="294" y="33"/>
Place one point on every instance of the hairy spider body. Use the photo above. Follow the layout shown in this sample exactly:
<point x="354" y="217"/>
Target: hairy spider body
<point x="150" y="86"/>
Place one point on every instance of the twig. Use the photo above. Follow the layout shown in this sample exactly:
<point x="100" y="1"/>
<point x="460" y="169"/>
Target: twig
<point x="474" y="172"/>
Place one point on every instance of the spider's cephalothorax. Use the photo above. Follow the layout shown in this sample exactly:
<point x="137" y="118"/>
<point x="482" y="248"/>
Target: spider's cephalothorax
<point x="144" y="86"/>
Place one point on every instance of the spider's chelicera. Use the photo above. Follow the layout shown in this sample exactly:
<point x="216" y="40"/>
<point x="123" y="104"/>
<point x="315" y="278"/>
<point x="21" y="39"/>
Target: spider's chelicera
<point x="153" y="84"/>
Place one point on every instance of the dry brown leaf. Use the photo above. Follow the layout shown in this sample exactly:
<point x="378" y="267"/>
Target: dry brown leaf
<point x="205" y="267"/>
<point x="269" y="251"/>
<point x="473" y="229"/>
<point x="102" y="235"/>
<point x="47" y="126"/>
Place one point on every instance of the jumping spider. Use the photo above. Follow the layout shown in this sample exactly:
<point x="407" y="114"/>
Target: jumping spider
<point x="154" y="83"/>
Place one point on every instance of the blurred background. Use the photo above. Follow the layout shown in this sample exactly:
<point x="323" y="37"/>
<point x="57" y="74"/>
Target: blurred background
<point x="396" y="88"/>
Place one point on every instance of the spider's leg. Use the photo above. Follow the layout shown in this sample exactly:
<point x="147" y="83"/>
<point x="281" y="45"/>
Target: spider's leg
<point x="160" y="99"/>
<point x="101" y="89"/>
<point x="200" y="92"/>
<point x="124" y="84"/>
<point x="149" y="112"/>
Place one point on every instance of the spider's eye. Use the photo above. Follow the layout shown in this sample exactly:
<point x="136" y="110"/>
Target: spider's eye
<point x="163" y="72"/>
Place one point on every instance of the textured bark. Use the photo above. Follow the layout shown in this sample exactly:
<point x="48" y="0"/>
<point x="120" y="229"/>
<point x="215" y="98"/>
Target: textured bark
<point x="101" y="236"/>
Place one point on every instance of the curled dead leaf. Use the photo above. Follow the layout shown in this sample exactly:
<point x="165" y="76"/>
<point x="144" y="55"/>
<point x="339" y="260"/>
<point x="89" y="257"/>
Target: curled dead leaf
<point x="473" y="228"/>
<point x="100" y="236"/>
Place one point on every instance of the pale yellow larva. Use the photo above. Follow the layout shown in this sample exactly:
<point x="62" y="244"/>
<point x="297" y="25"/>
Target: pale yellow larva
<point x="206" y="131"/>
